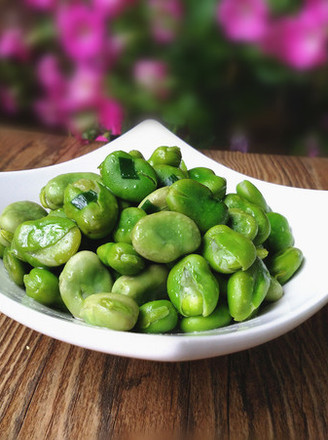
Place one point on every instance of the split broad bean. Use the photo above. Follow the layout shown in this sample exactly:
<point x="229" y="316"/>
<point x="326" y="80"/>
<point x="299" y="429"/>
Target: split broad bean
<point x="149" y="246"/>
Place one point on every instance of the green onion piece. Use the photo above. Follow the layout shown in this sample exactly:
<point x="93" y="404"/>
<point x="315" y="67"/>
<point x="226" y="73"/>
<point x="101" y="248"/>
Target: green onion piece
<point x="83" y="199"/>
<point x="149" y="207"/>
<point x="171" y="179"/>
<point x="127" y="169"/>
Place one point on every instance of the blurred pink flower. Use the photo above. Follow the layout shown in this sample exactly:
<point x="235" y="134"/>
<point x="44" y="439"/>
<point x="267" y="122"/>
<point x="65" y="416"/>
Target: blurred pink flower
<point x="111" y="8"/>
<point x="50" y="111"/>
<point x="50" y="76"/>
<point x="165" y="17"/>
<point x="41" y="5"/>
<point x="13" y="44"/>
<point x="8" y="100"/>
<point x="84" y="89"/>
<point x="111" y="116"/>
<point x="152" y="75"/>
<point x="81" y="31"/>
<point x="243" y="20"/>
<point x="299" y="40"/>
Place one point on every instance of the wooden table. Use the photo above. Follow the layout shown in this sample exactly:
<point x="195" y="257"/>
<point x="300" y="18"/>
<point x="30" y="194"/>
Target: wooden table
<point x="53" y="390"/>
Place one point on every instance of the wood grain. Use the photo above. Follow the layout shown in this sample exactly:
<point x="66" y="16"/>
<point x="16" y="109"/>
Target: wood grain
<point x="52" y="390"/>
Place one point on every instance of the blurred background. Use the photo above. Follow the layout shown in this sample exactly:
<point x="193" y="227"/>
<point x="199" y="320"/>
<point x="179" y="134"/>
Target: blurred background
<point x="245" y="75"/>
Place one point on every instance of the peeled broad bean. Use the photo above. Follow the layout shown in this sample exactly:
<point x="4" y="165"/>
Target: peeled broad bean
<point x="157" y="317"/>
<point x="49" y="241"/>
<point x="243" y="223"/>
<point x="128" y="177"/>
<point x="248" y="191"/>
<point x="52" y="194"/>
<point x="285" y="263"/>
<point x="217" y="184"/>
<point x="117" y="312"/>
<point x="16" y="268"/>
<point x="165" y="236"/>
<point x="166" y="156"/>
<point x="247" y="290"/>
<point x="121" y="257"/>
<point x="82" y="276"/>
<point x="192" y="288"/>
<point x="155" y="201"/>
<point x="92" y="206"/>
<point x="264" y="227"/>
<point x="15" y="214"/>
<point x="127" y="220"/>
<point x="197" y="202"/>
<point x="227" y="250"/>
<point x="149" y="285"/>
<point x="220" y="317"/>
<point x="281" y="236"/>
<point x="275" y="291"/>
<point x="43" y="286"/>
<point x="167" y="174"/>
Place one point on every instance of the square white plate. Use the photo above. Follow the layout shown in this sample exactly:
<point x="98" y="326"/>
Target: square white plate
<point x="306" y="293"/>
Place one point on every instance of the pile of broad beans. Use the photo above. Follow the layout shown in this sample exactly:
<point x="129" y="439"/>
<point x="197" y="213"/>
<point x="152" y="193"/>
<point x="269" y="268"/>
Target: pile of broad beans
<point x="149" y="245"/>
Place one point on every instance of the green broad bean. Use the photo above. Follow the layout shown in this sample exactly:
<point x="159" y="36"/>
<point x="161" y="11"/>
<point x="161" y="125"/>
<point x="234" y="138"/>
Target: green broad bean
<point x="128" y="219"/>
<point x="167" y="174"/>
<point x="110" y="310"/>
<point x="59" y="212"/>
<point x="280" y="237"/>
<point x="136" y="154"/>
<point x="261" y="252"/>
<point x="15" y="214"/>
<point x="242" y="222"/>
<point x="15" y="268"/>
<point x="52" y="194"/>
<point x="43" y="286"/>
<point x="165" y="236"/>
<point x="149" y="285"/>
<point x="275" y="291"/>
<point x="83" y="275"/>
<point x="47" y="242"/>
<point x="264" y="227"/>
<point x="217" y="184"/>
<point x="284" y="264"/>
<point x="247" y="290"/>
<point x="128" y="177"/>
<point x="155" y="201"/>
<point x="248" y="191"/>
<point x="92" y="206"/>
<point x="227" y="250"/>
<point x="157" y="317"/>
<point x="220" y="317"/>
<point x="197" y="202"/>
<point x="121" y="257"/>
<point x="192" y="288"/>
<point x="166" y="156"/>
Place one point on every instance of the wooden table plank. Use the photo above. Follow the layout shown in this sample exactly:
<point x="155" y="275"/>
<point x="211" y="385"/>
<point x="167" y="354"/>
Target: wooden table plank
<point x="50" y="389"/>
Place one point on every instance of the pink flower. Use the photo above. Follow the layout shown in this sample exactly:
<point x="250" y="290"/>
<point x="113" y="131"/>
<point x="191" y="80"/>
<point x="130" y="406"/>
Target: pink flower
<point x="8" y="100"/>
<point x="50" y="111"/>
<point x="243" y="20"/>
<point x="41" y="5"/>
<point x="50" y="76"/>
<point x="152" y="75"/>
<point x="13" y="45"/>
<point x="81" y="32"/>
<point x="166" y="16"/>
<point x="110" y="116"/>
<point x="84" y="89"/>
<point x="299" y="40"/>
<point x="111" y="8"/>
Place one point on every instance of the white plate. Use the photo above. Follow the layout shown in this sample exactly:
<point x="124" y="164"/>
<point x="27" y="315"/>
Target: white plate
<point x="306" y="293"/>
